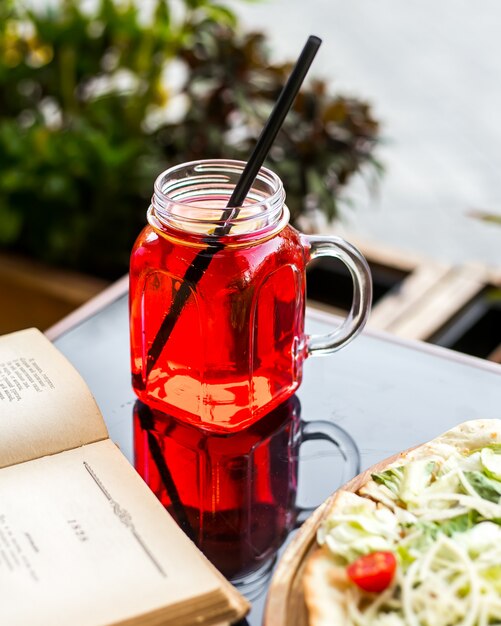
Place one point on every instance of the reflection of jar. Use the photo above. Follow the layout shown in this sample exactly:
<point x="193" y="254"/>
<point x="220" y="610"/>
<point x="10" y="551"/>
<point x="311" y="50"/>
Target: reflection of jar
<point x="217" y="298"/>
<point x="234" y="495"/>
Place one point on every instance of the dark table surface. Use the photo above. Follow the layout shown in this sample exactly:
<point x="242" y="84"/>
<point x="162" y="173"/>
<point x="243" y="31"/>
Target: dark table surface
<point x="384" y="394"/>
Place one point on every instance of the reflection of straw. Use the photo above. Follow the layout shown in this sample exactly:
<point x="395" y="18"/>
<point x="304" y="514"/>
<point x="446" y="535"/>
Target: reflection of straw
<point x="146" y="419"/>
<point x="203" y="258"/>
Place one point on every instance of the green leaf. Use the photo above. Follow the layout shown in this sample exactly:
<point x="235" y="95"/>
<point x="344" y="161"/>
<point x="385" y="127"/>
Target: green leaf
<point x="492" y="218"/>
<point x="405" y="556"/>
<point x="221" y="14"/>
<point x="459" y="524"/>
<point x="391" y="478"/>
<point x="487" y="488"/>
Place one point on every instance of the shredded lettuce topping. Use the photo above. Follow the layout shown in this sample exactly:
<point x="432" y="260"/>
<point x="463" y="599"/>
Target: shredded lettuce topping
<point x="442" y="520"/>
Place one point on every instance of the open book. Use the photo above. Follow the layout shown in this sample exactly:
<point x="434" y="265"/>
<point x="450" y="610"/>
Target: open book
<point x="83" y="541"/>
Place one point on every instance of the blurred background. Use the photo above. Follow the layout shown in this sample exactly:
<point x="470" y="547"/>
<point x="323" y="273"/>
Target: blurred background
<point x="394" y="142"/>
<point x="430" y="72"/>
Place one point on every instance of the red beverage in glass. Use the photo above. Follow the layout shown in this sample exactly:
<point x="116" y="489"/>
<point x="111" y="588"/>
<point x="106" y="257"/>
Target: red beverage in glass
<point x="234" y="495"/>
<point x="234" y="348"/>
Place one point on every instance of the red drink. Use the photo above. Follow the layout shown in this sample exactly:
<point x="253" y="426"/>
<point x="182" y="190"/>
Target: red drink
<point x="239" y="327"/>
<point x="234" y="495"/>
<point x="217" y="298"/>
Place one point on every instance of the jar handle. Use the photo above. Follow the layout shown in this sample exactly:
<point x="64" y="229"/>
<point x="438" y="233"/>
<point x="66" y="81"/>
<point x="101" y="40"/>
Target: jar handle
<point x="318" y="246"/>
<point x="346" y="446"/>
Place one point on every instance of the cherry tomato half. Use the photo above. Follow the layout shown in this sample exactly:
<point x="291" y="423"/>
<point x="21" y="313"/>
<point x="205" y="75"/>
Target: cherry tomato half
<point x="373" y="572"/>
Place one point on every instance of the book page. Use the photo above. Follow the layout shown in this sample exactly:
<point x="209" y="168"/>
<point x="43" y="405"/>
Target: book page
<point x="45" y="406"/>
<point x="84" y="542"/>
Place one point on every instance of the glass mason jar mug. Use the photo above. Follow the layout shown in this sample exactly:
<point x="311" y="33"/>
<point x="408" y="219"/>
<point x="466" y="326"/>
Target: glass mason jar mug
<point x="217" y="297"/>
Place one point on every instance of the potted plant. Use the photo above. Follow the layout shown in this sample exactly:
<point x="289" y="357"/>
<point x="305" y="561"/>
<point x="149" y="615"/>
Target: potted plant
<point x="95" y="103"/>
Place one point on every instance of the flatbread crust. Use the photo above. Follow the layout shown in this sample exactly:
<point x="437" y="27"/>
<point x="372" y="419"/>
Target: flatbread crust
<point x="324" y="588"/>
<point x="325" y="582"/>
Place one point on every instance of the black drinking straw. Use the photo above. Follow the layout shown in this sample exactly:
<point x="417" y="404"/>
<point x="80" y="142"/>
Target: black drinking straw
<point x="203" y="258"/>
<point x="147" y="422"/>
<point x="270" y="130"/>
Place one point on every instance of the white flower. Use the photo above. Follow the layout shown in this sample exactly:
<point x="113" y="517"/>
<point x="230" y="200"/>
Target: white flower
<point x="172" y="112"/>
<point x="122" y="81"/>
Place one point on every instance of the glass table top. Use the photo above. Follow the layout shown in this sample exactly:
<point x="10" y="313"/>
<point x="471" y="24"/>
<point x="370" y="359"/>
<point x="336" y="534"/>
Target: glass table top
<point x="374" y="398"/>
